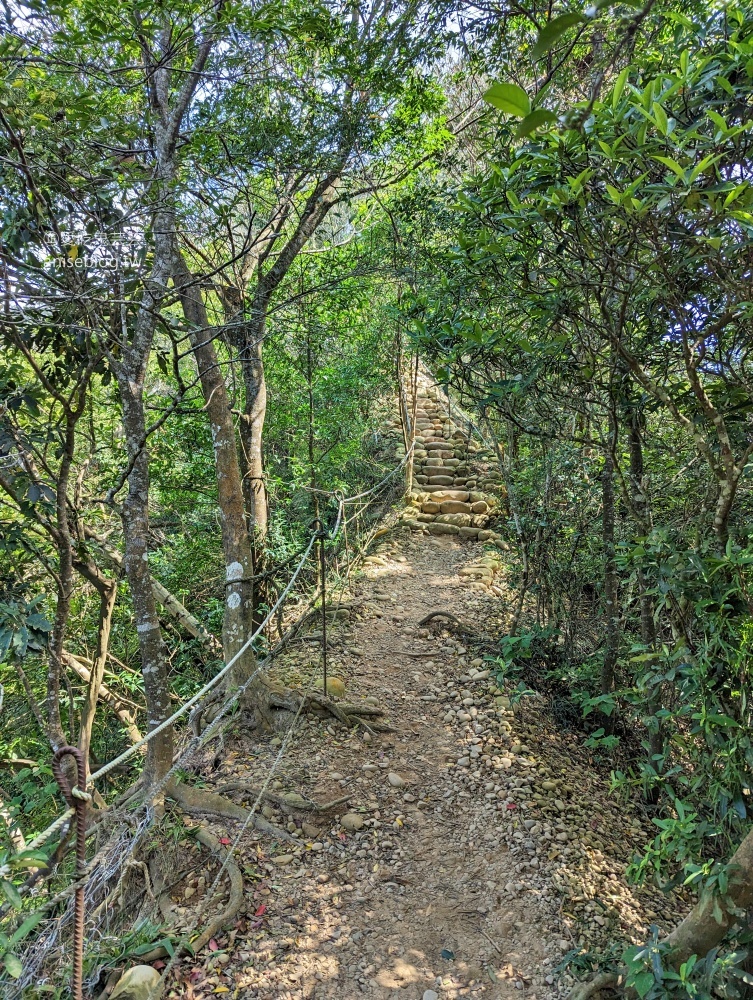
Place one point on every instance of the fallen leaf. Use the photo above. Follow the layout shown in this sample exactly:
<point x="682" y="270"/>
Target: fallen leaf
<point x="213" y="946"/>
<point x="224" y="840"/>
<point x="262" y="909"/>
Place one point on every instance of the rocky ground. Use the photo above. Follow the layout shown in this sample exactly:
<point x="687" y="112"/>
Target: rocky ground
<point x="477" y="846"/>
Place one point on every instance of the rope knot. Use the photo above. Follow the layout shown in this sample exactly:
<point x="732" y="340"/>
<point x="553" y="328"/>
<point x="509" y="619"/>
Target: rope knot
<point x="80" y="795"/>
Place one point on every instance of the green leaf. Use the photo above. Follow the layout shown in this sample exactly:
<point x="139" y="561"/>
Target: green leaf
<point x="535" y="120"/>
<point x="510" y="98"/>
<point x="717" y="120"/>
<point x="12" y="964"/>
<point x="643" y="983"/>
<point x="673" y="165"/>
<point x="11" y="893"/>
<point x="705" y="163"/>
<point x="614" y="194"/>
<point x="619" y="86"/>
<point x="661" y="118"/>
<point x="28" y="925"/>
<point x="553" y="31"/>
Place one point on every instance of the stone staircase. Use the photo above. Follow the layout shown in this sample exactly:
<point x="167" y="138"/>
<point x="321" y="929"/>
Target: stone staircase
<point x="457" y="488"/>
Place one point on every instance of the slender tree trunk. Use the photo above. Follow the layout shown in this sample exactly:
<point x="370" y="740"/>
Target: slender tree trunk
<point x="107" y="596"/>
<point x="236" y="545"/>
<point x="64" y="546"/>
<point x="639" y="501"/>
<point x="252" y="431"/>
<point x="611" y="623"/>
<point x="135" y="515"/>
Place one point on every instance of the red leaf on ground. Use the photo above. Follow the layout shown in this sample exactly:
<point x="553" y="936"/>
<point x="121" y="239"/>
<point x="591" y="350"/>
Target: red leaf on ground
<point x="262" y="909"/>
<point x="224" y="840"/>
<point x="213" y="946"/>
<point x="511" y="805"/>
<point x="342" y="836"/>
<point x="159" y="964"/>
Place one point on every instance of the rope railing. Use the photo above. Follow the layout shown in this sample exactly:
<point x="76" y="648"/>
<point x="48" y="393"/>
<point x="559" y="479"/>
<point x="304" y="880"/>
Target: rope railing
<point x="197" y="742"/>
<point x="60" y="821"/>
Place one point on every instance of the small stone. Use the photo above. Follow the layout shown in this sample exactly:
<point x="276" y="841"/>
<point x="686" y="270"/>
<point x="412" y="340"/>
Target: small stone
<point x="352" y="822"/>
<point x="395" y="780"/>
<point x="430" y="995"/>
<point x="283" y="859"/>
<point x="335" y="686"/>
<point x="188" y="892"/>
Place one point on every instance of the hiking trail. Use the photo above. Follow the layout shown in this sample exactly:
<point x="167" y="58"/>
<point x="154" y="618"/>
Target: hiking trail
<point x="478" y="843"/>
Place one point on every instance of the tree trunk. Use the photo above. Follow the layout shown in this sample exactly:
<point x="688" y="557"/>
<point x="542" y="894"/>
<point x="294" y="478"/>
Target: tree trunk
<point x="611" y="624"/>
<point x="136" y="532"/>
<point x="704" y="927"/>
<point x="713" y="915"/>
<point x="64" y="547"/>
<point x="236" y="544"/>
<point x="639" y="502"/>
<point x="252" y="432"/>
<point x="107" y="596"/>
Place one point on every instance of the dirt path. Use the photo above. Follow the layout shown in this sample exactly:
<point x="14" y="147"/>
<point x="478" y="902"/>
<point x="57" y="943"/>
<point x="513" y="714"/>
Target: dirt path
<point x="478" y="844"/>
<point x="427" y="894"/>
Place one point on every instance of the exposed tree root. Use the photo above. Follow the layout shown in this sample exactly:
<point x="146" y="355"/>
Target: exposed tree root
<point x="198" y="800"/>
<point x="236" y="889"/>
<point x="348" y="714"/>
<point x="234" y="904"/>
<point x="604" y="981"/>
<point x="449" y="615"/>
<point x="292" y="800"/>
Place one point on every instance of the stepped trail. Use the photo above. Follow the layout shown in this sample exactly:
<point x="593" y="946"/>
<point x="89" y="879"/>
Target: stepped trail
<point x="478" y="843"/>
